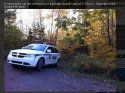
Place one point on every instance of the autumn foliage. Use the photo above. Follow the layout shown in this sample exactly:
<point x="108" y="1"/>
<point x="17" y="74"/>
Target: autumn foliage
<point x="90" y="34"/>
<point x="96" y="30"/>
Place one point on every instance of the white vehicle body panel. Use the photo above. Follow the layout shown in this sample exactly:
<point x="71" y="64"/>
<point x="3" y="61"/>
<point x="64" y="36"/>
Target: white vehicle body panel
<point x="19" y="57"/>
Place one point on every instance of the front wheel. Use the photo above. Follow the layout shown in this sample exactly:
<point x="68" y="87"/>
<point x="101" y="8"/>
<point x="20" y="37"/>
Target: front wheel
<point x="58" y="63"/>
<point x="39" y="64"/>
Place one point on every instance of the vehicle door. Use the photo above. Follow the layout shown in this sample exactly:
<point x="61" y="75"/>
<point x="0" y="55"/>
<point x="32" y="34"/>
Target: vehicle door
<point x="55" y="54"/>
<point x="48" y="56"/>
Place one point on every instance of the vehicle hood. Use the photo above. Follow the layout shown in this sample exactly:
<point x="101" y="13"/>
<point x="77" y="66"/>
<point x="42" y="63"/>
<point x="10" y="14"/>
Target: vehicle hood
<point x="27" y="51"/>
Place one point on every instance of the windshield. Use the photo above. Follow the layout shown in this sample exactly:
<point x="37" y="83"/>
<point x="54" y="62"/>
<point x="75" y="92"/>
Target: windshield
<point x="38" y="47"/>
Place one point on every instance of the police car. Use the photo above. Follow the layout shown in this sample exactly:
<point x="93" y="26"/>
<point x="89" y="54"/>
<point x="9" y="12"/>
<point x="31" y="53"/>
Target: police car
<point x="35" y="55"/>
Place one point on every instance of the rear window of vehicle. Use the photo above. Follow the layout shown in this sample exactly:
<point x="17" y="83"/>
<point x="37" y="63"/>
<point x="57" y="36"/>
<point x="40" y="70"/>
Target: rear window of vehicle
<point x="54" y="50"/>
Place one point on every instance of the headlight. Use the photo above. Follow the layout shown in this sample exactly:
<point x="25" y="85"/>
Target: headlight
<point x="30" y="55"/>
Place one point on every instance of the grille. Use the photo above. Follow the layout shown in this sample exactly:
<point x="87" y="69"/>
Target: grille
<point x="20" y="55"/>
<point x="16" y="62"/>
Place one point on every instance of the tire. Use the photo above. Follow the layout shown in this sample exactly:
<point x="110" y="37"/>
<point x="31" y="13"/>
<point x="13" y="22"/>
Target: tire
<point x="14" y="66"/>
<point x="58" y="63"/>
<point x="39" y="65"/>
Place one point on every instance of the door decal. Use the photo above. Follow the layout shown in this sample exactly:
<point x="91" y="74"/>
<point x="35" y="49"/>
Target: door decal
<point x="54" y="57"/>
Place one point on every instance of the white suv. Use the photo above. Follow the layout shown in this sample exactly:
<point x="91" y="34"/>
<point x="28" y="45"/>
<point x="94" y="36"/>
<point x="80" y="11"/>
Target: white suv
<point x="34" y="55"/>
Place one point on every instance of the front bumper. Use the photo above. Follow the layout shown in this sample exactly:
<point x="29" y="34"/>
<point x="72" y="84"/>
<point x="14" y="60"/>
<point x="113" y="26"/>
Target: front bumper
<point x="26" y="61"/>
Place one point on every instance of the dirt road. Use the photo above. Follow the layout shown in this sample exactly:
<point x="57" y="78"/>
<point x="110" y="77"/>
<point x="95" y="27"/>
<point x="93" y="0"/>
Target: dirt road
<point x="47" y="80"/>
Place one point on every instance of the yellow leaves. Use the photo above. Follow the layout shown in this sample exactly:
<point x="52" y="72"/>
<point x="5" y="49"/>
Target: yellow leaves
<point x="76" y="45"/>
<point x="111" y="55"/>
<point x="100" y="49"/>
<point x="62" y="34"/>
<point x="98" y="44"/>
<point x="96" y="37"/>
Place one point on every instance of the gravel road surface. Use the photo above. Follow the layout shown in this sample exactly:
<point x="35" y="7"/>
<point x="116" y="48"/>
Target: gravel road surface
<point x="47" y="80"/>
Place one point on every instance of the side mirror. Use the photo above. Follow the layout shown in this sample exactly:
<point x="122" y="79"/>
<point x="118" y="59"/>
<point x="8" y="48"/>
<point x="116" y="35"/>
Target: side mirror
<point x="48" y="51"/>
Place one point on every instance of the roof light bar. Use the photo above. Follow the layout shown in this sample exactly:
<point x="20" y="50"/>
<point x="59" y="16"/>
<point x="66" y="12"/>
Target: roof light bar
<point x="45" y="43"/>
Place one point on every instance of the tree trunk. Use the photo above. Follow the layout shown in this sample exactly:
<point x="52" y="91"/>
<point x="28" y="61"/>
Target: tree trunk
<point x="112" y="29"/>
<point x="51" y="26"/>
<point x="34" y="29"/>
<point x="40" y="24"/>
<point x="57" y="29"/>
<point x="108" y="28"/>
<point x="48" y="35"/>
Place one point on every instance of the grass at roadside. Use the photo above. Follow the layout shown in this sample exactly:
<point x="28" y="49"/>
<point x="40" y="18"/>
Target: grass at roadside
<point x="75" y="74"/>
<point x="87" y="67"/>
